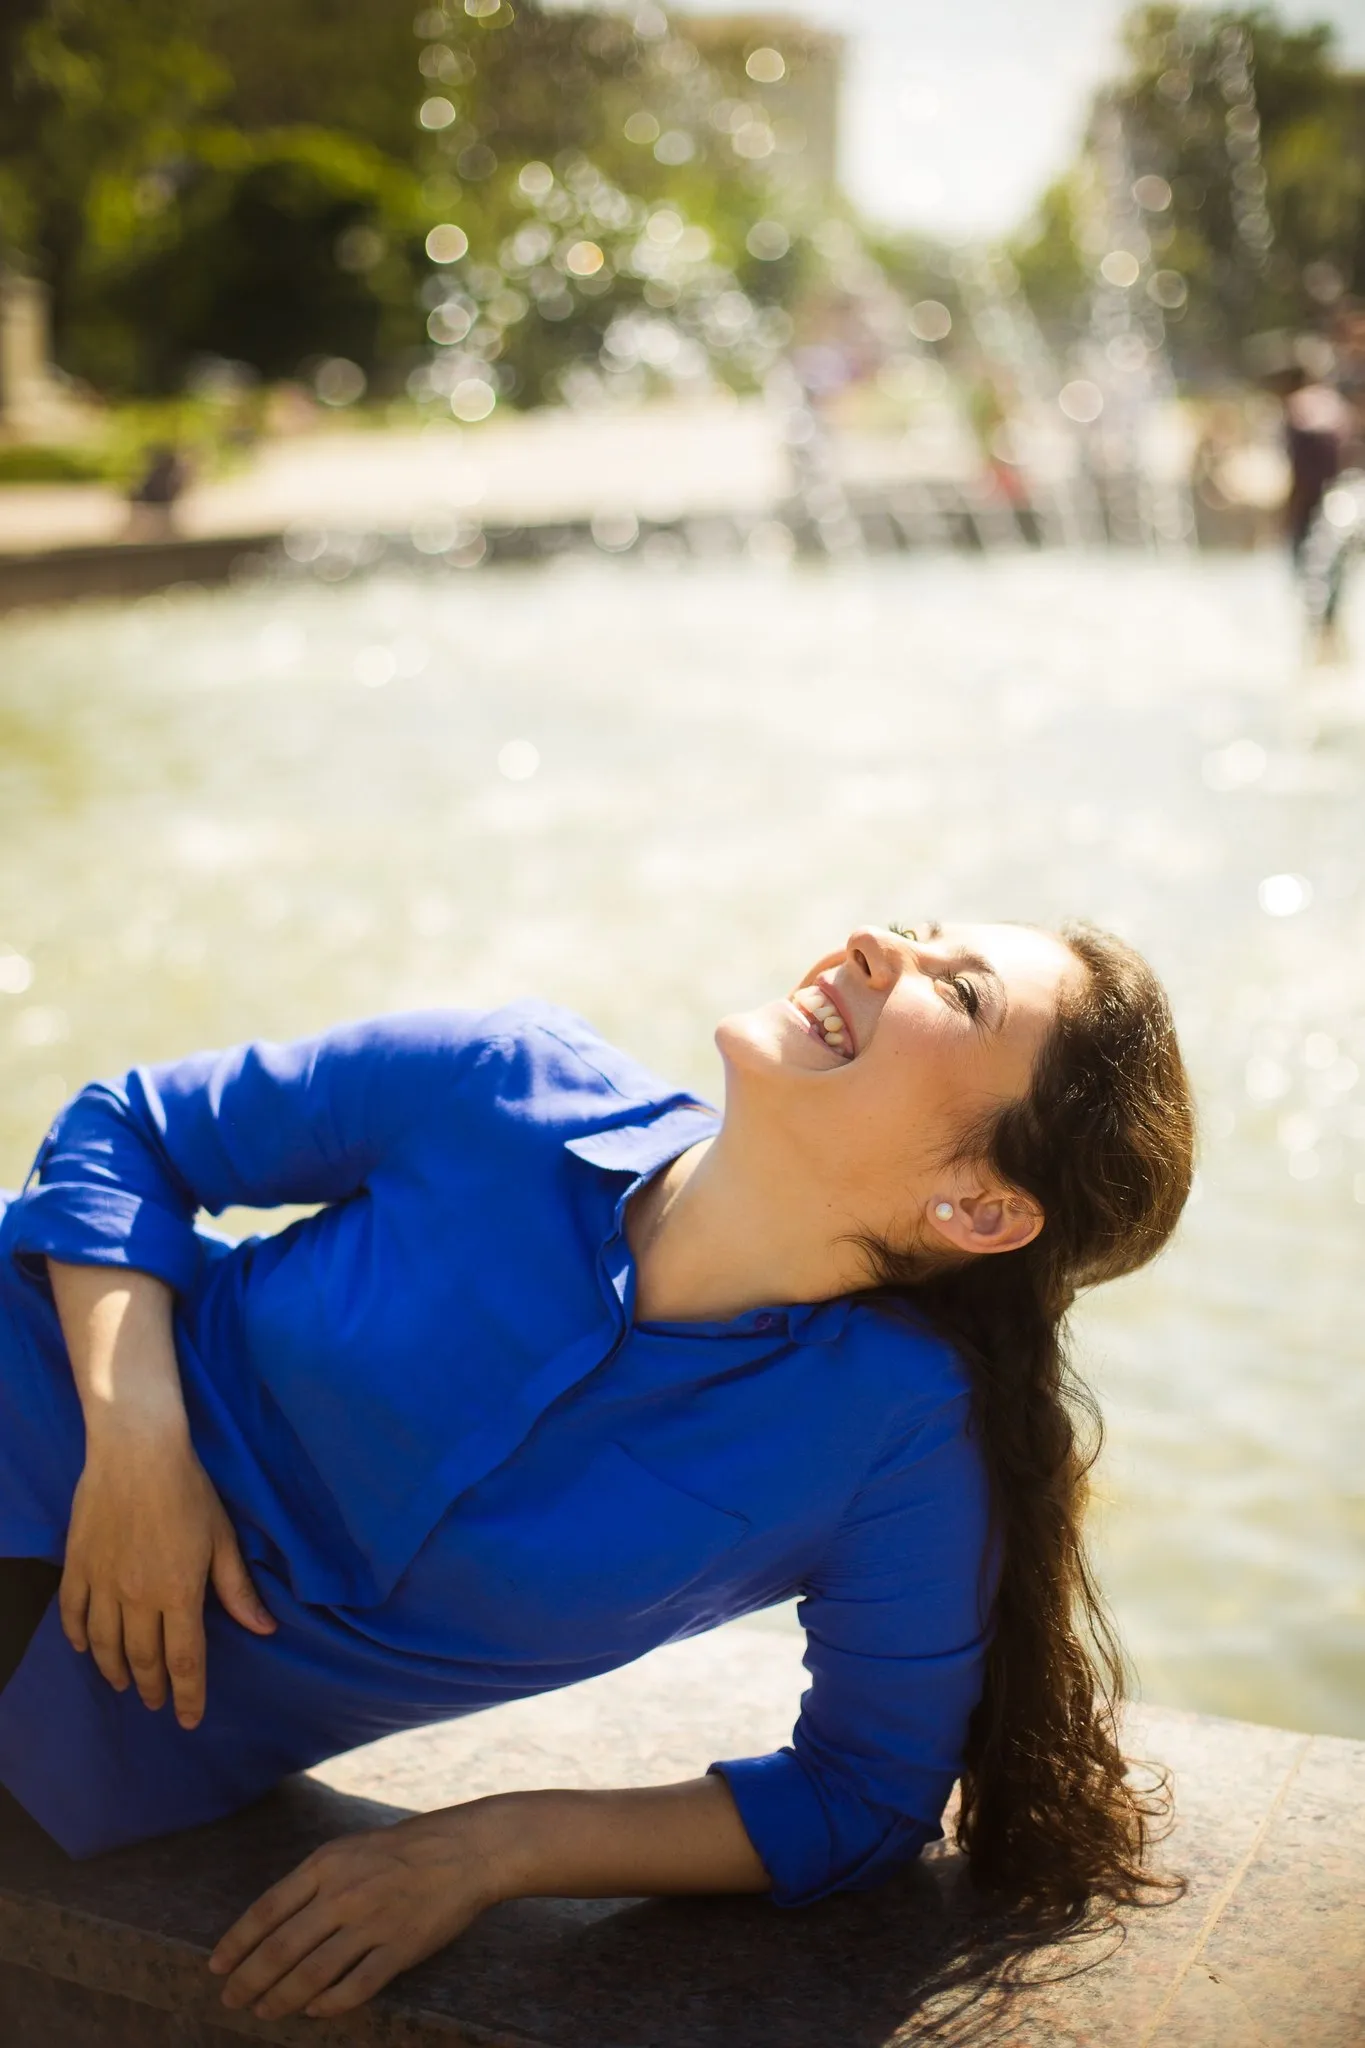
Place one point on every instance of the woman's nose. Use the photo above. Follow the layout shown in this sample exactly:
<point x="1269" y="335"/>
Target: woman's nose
<point x="871" y="951"/>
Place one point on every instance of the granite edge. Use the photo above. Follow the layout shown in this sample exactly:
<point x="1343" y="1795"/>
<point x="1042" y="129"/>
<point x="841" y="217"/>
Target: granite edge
<point x="167" y="1972"/>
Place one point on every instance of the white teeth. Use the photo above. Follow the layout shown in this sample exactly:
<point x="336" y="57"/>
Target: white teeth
<point x="815" y="1003"/>
<point x="821" y="1011"/>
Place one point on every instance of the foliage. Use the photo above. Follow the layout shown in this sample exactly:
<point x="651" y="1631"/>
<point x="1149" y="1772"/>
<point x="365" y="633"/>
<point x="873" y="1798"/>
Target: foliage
<point x="1266" y="220"/>
<point x="252" y="179"/>
<point x="32" y="463"/>
<point x="1048" y="258"/>
<point x="96" y="93"/>
<point x="239" y="258"/>
<point x="166" y="232"/>
<point x="212" y="429"/>
<point x="593" y="261"/>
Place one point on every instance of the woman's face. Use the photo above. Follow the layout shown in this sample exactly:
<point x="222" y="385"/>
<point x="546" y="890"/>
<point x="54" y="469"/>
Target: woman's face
<point x="888" y="1050"/>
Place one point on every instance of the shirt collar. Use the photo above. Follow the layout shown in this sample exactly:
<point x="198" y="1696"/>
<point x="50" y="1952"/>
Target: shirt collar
<point x="638" y="1148"/>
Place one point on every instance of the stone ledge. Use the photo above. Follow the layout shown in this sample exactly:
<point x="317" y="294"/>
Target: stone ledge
<point x="117" y="569"/>
<point x="1267" y="1946"/>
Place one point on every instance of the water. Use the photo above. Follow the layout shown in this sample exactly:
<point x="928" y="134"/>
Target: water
<point x="259" y="811"/>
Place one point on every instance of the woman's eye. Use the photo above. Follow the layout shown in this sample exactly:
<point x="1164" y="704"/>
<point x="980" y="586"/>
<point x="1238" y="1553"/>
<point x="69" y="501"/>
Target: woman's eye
<point x="966" y="993"/>
<point x="905" y="931"/>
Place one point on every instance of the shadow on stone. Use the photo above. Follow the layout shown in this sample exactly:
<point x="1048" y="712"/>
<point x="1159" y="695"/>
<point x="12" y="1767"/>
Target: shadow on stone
<point x="130" y="1931"/>
<point x="908" y="1961"/>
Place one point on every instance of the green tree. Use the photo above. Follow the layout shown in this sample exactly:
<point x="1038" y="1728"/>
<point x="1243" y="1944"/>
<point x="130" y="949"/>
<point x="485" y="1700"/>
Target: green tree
<point x="1260" y="138"/>
<point x="570" y="131"/>
<point x="256" y="178"/>
<point x="164" y="229"/>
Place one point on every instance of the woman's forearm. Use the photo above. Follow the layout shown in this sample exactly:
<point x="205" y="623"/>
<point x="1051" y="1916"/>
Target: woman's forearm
<point x="393" y="1895"/>
<point x="118" y="1329"/>
<point x="586" y="1845"/>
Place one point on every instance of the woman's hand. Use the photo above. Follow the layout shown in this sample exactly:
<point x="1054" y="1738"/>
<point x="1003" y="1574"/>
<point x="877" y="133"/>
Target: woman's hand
<point x="148" y="1534"/>
<point x="358" y="1911"/>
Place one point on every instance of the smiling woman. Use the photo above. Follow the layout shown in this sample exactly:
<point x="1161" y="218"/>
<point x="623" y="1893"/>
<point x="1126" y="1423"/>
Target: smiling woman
<point x="566" y="1366"/>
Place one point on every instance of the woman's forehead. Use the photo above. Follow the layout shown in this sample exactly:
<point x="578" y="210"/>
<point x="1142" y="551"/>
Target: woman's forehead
<point x="1024" y="955"/>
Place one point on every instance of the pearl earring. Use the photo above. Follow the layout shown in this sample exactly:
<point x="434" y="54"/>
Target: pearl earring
<point x="943" y="1211"/>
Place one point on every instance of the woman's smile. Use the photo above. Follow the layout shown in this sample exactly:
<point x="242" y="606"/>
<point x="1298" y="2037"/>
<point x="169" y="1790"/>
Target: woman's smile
<point x="825" y="1018"/>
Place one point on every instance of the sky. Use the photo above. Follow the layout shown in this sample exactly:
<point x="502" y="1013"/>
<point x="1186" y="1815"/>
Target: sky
<point x="958" y="113"/>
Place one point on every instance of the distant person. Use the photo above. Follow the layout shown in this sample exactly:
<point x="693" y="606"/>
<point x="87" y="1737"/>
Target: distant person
<point x="153" y="499"/>
<point x="1318" y="426"/>
<point x="1335" y="540"/>
<point x="1348" y="341"/>
<point x="565" y="1366"/>
<point x="1318" y="423"/>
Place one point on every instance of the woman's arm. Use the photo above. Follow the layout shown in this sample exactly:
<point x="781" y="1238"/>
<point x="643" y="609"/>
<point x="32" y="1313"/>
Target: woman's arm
<point x="611" y="1845"/>
<point x="148" y="1532"/>
<point x="363" y="1908"/>
<point x="127" y="1165"/>
<point x="117" y="1326"/>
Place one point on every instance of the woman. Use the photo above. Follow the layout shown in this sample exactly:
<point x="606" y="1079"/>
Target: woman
<point x="567" y="1367"/>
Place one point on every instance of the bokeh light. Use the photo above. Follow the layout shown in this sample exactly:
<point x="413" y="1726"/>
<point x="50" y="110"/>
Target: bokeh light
<point x="338" y="381"/>
<point x="536" y="180"/>
<point x="518" y="760"/>
<point x="930" y="320"/>
<point x="1081" y="400"/>
<point x="1152" y="193"/>
<point x="1120" y="267"/>
<point x="16" y="973"/>
<point x="766" y="65"/>
<point x="1284" y="895"/>
<point x="768" y="240"/>
<point x="447" y="243"/>
<point x="473" y="399"/>
<point x="583" y="259"/>
<point x="1168" y="288"/>
<point x="437" y="112"/>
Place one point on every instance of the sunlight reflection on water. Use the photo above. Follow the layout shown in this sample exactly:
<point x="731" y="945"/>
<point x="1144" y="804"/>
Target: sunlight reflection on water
<point x="656" y="796"/>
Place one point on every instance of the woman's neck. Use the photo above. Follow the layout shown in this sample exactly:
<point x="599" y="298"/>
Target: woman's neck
<point x="714" y="1235"/>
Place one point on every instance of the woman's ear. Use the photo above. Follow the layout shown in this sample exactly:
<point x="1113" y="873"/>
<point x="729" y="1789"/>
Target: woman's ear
<point x="991" y="1219"/>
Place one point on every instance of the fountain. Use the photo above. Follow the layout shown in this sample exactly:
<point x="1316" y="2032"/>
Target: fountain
<point x="1335" y="538"/>
<point x="1142" y="479"/>
<point x="1072" y="461"/>
<point x="1042" y="442"/>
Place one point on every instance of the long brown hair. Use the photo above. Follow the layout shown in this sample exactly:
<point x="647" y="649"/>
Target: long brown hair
<point x="1103" y="1142"/>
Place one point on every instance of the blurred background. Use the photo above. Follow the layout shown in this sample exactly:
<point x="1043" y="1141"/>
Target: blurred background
<point x="595" y="500"/>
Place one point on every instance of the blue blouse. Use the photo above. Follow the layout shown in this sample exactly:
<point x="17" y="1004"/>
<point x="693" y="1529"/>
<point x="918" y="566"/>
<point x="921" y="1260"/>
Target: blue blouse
<point x="460" y="1468"/>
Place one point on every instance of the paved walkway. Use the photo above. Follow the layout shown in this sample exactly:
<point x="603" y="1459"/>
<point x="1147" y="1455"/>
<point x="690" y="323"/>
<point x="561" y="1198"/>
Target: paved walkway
<point x="1265" y="1950"/>
<point x="663" y="462"/>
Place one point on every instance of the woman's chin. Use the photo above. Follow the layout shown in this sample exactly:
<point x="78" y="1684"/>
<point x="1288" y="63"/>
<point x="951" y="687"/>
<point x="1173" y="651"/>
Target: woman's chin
<point x="771" y="1038"/>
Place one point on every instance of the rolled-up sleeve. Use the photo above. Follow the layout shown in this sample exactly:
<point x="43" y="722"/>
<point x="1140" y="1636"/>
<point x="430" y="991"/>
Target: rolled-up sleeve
<point x="895" y="1622"/>
<point x="128" y="1165"/>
